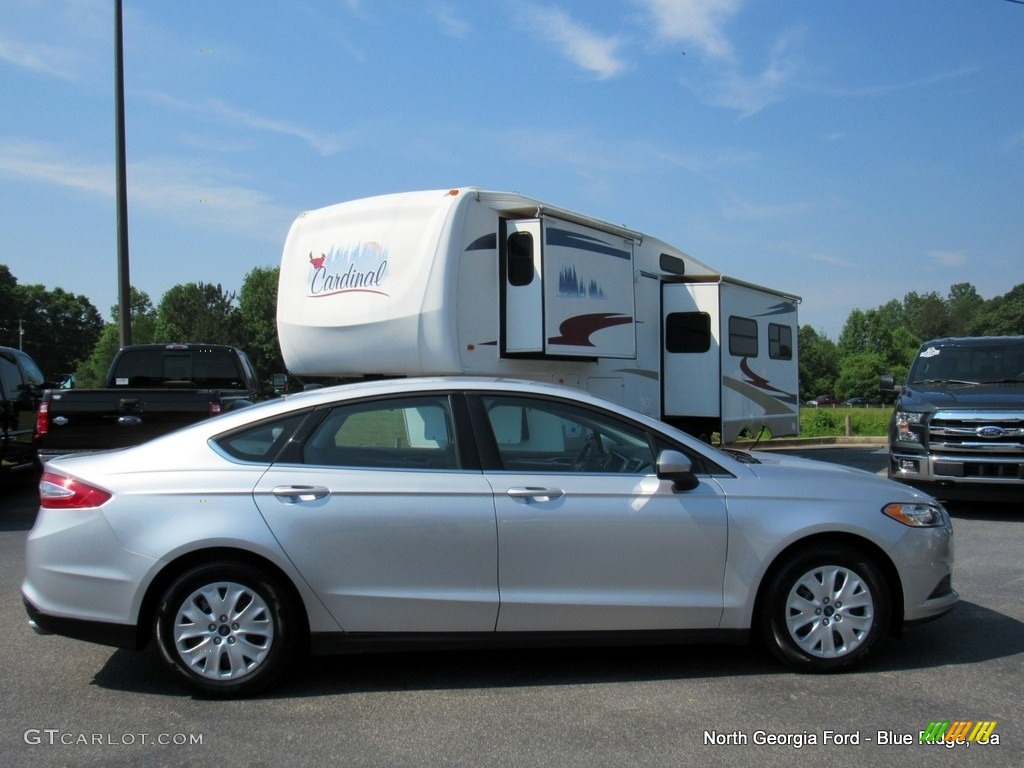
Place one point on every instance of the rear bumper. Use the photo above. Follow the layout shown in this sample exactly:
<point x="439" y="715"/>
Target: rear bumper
<point x="101" y="632"/>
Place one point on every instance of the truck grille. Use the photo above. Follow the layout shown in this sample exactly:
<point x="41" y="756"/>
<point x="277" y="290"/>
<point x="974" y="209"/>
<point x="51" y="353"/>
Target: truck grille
<point x="989" y="433"/>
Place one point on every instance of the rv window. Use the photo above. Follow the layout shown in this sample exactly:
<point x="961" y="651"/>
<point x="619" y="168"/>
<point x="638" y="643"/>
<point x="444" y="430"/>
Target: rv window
<point x="672" y="264"/>
<point x="520" y="258"/>
<point x="688" y="332"/>
<point x="780" y="342"/>
<point x="742" y="337"/>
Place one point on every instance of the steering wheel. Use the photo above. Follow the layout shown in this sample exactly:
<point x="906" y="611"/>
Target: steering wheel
<point x="590" y="450"/>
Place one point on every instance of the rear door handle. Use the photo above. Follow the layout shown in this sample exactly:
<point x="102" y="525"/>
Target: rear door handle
<point x="536" y="494"/>
<point x="301" y="492"/>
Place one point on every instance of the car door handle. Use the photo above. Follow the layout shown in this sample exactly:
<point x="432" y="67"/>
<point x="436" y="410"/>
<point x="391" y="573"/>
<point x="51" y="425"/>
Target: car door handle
<point x="536" y="494"/>
<point x="301" y="492"/>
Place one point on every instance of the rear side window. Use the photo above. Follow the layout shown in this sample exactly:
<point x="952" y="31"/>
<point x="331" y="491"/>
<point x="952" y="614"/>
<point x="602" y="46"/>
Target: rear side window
<point x="399" y="433"/>
<point x="261" y="442"/>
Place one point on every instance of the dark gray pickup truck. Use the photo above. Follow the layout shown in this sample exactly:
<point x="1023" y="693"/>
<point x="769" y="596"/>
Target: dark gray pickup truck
<point x="151" y="389"/>
<point x="957" y="431"/>
<point x="21" y="387"/>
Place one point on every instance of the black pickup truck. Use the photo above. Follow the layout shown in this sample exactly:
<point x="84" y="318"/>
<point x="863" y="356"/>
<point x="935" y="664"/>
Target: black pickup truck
<point x="21" y="388"/>
<point x="957" y="430"/>
<point x="151" y="389"/>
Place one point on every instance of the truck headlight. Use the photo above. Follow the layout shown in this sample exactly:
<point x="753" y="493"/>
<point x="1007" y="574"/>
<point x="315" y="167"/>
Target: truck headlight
<point x="905" y="421"/>
<point x="917" y="514"/>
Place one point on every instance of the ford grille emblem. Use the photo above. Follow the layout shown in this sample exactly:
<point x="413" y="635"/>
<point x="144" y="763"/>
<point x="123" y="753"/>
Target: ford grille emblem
<point x="991" y="432"/>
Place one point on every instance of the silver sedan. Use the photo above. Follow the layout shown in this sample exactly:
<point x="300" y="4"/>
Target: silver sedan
<point x="472" y="512"/>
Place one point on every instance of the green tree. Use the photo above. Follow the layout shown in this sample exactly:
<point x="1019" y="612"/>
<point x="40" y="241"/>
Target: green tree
<point x="1001" y="316"/>
<point x="8" y="310"/>
<point x="92" y="371"/>
<point x="198" y="312"/>
<point x="818" y="361"/>
<point x="60" y="327"/>
<point x="258" y="308"/>
<point x="927" y="316"/>
<point x="962" y="304"/>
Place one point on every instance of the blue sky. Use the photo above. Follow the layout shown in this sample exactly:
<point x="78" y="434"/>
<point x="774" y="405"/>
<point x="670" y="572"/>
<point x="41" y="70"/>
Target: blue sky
<point x="848" y="151"/>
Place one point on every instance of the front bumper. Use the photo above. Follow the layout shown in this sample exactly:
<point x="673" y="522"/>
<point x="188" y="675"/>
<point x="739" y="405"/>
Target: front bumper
<point x="956" y="476"/>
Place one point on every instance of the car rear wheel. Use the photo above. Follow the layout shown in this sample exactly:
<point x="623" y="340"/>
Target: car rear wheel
<point x="225" y="629"/>
<point x="826" y="610"/>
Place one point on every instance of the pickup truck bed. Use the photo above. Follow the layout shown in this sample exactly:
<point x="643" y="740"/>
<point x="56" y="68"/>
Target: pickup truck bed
<point x="151" y="389"/>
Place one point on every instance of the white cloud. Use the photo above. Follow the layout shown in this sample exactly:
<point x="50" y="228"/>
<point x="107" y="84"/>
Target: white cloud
<point x="588" y="50"/>
<point x="56" y="61"/>
<point x="323" y="143"/>
<point x="451" y="23"/>
<point x="695" y="22"/>
<point x="948" y="258"/>
<point x="168" y="187"/>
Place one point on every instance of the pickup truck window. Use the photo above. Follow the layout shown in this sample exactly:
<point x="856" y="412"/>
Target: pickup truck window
<point x="969" y="364"/>
<point x="199" y="368"/>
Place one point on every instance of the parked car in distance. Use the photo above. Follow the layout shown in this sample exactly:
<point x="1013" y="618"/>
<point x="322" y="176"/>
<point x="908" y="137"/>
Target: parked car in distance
<point x="371" y="515"/>
<point x="861" y="402"/>
<point x="823" y="400"/>
<point x="21" y="386"/>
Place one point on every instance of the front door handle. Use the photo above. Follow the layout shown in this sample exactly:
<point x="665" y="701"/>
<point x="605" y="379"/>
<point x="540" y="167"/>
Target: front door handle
<point x="301" y="492"/>
<point x="536" y="494"/>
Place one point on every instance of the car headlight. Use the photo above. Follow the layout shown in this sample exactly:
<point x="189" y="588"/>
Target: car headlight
<point x="917" y="514"/>
<point x="904" y="421"/>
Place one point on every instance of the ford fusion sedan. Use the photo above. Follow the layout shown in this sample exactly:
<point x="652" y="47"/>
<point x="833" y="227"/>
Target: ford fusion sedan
<point x="471" y="512"/>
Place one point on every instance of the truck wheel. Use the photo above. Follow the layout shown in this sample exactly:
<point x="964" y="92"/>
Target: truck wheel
<point x="225" y="629"/>
<point x="826" y="610"/>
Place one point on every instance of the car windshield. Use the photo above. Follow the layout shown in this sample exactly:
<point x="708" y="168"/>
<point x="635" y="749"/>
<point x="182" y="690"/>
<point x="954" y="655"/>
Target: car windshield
<point x="987" y="363"/>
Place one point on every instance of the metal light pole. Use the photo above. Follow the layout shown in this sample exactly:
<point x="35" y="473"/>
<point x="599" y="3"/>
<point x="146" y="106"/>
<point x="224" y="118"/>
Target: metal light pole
<point x="124" y="288"/>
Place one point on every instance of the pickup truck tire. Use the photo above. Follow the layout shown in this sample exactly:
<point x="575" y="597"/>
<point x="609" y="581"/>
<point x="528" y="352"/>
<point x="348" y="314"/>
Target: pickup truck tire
<point x="225" y="629"/>
<point x="825" y="610"/>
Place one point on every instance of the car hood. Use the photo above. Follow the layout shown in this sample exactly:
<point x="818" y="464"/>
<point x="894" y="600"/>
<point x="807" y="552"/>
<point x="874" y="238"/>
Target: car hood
<point x="924" y="397"/>
<point x="809" y="477"/>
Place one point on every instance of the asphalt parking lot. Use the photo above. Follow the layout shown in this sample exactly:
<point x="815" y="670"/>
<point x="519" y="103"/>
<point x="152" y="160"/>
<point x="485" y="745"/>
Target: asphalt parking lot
<point x="64" y="702"/>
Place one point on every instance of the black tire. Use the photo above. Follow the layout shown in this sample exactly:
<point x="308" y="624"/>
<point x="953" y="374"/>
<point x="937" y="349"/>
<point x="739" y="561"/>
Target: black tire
<point x="225" y="629"/>
<point x="824" y="611"/>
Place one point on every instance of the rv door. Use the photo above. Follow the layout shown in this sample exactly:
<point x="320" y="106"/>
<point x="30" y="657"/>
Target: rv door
<point x="522" y="287"/>
<point x="692" y="351"/>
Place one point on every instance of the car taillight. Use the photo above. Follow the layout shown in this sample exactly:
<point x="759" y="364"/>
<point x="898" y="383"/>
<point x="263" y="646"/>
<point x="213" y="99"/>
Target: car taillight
<point x="60" y="492"/>
<point x="43" y="419"/>
<point x="214" y="408"/>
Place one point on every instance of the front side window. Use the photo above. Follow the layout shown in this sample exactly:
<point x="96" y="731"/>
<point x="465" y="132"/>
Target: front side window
<point x="546" y="436"/>
<point x="401" y="433"/>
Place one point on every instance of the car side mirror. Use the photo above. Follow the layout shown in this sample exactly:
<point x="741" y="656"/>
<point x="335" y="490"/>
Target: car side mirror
<point x="674" y="466"/>
<point x="887" y="383"/>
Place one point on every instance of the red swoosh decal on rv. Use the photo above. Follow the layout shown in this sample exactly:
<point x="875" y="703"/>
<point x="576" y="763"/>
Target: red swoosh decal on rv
<point x="576" y="331"/>
<point x="757" y="380"/>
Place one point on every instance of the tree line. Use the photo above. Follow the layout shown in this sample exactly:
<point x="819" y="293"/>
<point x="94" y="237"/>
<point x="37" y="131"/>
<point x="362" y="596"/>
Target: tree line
<point x="65" y="333"/>
<point x="884" y="340"/>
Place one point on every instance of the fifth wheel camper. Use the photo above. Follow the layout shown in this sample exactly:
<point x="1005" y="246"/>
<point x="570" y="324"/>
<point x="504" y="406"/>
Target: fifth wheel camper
<point x="466" y="281"/>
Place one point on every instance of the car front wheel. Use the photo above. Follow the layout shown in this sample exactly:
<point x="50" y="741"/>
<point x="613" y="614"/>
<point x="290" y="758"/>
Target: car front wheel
<point x="826" y="610"/>
<point x="225" y="629"/>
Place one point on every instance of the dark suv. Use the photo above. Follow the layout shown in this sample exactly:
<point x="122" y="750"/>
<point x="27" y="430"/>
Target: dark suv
<point x="21" y="386"/>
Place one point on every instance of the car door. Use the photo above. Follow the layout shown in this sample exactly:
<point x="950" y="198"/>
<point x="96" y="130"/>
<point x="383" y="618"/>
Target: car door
<point x="385" y="523"/>
<point x="588" y="537"/>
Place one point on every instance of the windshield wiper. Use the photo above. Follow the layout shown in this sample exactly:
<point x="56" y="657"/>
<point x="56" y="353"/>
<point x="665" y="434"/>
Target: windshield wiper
<point x="947" y="381"/>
